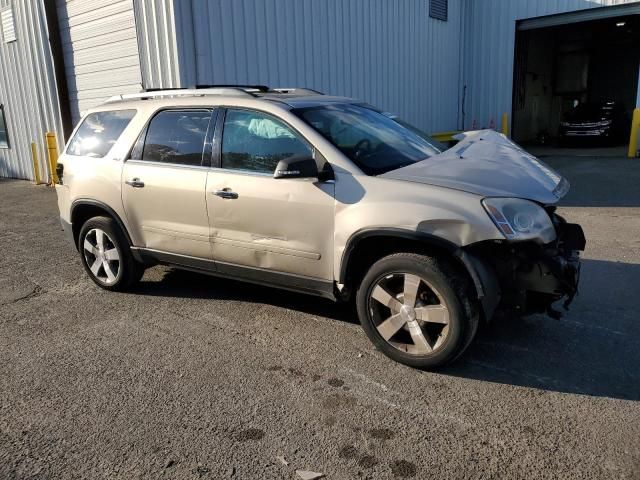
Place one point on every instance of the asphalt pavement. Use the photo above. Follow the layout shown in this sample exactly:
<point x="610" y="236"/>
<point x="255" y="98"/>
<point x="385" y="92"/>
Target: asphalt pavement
<point x="189" y="376"/>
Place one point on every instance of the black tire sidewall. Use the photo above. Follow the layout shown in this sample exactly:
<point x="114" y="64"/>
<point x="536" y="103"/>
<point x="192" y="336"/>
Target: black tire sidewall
<point x="125" y="271"/>
<point x="428" y="269"/>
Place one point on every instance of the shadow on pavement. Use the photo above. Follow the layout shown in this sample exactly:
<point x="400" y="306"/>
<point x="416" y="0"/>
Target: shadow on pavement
<point x="185" y="284"/>
<point x="592" y="350"/>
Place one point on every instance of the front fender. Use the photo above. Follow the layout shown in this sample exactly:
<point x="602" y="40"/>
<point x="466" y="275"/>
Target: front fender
<point x="369" y="203"/>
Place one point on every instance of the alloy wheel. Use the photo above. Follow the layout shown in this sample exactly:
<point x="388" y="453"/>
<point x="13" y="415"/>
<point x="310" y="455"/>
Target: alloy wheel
<point x="409" y="313"/>
<point x="101" y="255"/>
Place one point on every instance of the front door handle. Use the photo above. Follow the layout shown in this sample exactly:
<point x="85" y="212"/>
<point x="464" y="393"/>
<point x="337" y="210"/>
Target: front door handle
<point x="135" y="183"/>
<point x="226" y="193"/>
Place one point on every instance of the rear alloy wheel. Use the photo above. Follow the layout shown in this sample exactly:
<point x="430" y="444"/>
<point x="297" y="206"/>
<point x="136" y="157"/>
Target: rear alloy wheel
<point x="101" y="256"/>
<point x="416" y="310"/>
<point x="106" y="255"/>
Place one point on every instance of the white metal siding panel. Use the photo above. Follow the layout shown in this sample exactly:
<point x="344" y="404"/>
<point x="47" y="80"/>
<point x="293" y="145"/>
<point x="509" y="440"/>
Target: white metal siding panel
<point x="386" y="52"/>
<point x="27" y="91"/>
<point x="8" y="25"/>
<point x="158" y="42"/>
<point x="100" y="50"/>
<point x="490" y="27"/>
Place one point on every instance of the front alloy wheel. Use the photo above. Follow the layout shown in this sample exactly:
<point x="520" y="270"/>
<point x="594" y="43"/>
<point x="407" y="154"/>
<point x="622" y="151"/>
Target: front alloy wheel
<point x="409" y="313"/>
<point x="417" y="310"/>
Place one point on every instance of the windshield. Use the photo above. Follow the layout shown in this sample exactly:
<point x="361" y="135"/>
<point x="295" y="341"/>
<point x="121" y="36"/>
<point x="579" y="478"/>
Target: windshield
<point x="373" y="141"/>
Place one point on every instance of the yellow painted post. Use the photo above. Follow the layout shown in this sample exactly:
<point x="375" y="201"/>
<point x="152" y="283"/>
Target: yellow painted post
<point x="52" y="151"/>
<point x="36" y="168"/>
<point x="505" y="124"/>
<point x="635" y="130"/>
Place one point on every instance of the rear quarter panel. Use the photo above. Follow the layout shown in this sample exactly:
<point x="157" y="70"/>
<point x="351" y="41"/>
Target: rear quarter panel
<point x="99" y="179"/>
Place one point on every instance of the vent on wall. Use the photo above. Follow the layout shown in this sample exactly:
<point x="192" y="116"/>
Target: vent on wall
<point x="438" y="9"/>
<point x="8" y="27"/>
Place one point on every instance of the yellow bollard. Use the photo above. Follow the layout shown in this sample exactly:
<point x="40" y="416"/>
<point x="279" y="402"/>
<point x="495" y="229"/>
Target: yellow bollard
<point x="36" y="168"/>
<point x="505" y="124"/>
<point x="52" y="151"/>
<point x="635" y="130"/>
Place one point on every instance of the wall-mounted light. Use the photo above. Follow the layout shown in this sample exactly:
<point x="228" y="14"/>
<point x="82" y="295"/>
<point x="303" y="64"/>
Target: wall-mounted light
<point x="621" y="24"/>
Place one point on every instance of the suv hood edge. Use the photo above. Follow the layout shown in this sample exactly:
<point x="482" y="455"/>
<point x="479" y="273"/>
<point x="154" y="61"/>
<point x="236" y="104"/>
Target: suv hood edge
<point x="487" y="163"/>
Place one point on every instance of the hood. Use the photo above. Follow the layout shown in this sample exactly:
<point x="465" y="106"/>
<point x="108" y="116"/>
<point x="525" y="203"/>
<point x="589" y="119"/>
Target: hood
<point x="487" y="163"/>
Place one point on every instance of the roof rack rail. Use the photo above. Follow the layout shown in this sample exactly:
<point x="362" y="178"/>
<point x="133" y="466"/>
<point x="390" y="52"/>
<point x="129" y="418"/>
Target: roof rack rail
<point x="182" y="92"/>
<point x="201" y="90"/>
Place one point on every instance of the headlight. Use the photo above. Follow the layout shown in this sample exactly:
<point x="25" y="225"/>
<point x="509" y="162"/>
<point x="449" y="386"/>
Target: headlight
<point x="520" y="219"/>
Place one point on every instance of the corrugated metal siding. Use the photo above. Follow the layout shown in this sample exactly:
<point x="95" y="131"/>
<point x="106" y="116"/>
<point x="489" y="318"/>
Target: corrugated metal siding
<point x="386" y="52"/>
<point x="100" y="50"/>
<point x="490" y="27"/>
<point x="157" y="42"/>
<point x="27" y="90"/>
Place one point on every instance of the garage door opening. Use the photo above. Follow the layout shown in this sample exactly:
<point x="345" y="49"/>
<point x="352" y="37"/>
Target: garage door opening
<point x="576" y="84"/>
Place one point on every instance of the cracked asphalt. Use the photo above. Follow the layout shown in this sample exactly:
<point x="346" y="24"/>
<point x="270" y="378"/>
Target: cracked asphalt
<point x="189" y="376"/>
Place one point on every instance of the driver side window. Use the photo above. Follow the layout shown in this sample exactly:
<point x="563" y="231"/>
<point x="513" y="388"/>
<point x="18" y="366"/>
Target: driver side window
<point x="256" y="142"/>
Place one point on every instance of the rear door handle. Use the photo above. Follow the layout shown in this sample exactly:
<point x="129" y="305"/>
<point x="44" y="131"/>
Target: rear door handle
<point x="226" y="193"/>
<point x="135" y="183"/>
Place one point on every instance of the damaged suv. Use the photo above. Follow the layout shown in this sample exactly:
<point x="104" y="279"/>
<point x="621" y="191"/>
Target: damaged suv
<point x="322" y="195"/>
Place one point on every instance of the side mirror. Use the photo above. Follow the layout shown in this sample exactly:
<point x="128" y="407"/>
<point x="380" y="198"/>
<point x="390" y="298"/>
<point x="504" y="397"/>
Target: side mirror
<point x="297" y="166"/>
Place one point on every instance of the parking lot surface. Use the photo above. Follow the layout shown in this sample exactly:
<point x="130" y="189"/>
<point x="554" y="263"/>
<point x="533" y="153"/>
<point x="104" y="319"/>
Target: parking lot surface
<point x="189" y="376"/>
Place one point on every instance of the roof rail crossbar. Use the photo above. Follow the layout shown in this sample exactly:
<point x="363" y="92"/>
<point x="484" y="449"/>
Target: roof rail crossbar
<point x="259" y="88"/>
<point x="298" y="91"/>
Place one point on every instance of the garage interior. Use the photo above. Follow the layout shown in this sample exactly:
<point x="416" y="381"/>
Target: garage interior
<point x="559" y="66"/>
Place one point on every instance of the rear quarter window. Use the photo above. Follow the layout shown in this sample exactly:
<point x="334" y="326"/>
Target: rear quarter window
<point x="99" y="132"/>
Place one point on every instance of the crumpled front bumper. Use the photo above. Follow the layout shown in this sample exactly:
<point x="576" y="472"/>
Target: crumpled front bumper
<point x="532" y="277"/>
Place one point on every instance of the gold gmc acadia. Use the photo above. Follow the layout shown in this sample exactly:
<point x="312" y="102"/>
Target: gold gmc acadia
<point x="323" y="195"/>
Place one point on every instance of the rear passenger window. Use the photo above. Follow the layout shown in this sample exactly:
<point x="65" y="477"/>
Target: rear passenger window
<point x="256" y="142"/>
<point x="99" y="132"/>
<point x="177" y="136"/>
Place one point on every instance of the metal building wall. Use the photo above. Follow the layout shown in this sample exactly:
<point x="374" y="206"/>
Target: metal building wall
<point x="100" y="50"/>
<point x="386" y="52"/>
<point x="27" y="90"/>
<point x="157" y="42"/>
<point x="490" y="27"/>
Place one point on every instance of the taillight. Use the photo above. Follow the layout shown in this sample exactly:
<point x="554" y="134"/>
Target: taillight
<point x="59" y="172"/>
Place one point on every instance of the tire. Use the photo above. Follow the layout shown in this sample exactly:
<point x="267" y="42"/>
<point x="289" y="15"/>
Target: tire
<point x="106" y="256"/>
<point x="437" y="329"/>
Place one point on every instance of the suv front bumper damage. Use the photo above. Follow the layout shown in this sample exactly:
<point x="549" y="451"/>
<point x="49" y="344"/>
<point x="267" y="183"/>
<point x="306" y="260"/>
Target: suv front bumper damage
<point x="532" y="277"/>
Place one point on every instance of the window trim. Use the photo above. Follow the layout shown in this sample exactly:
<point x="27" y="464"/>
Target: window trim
<point x="6" y="128"/>
<point x="205" y="159"/>
<point x="216" y="158"/>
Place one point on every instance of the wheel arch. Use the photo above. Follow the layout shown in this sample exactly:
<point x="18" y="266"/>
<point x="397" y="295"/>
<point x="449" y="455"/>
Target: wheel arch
<point x="84" y="209"/>
<point x="369" y="245"/>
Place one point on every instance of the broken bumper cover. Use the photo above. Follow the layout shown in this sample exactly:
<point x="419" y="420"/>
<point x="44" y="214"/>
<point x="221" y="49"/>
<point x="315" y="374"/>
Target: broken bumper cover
<point x="532" y="277"/>
<point x="552" y="272"/>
